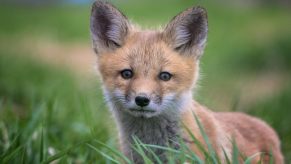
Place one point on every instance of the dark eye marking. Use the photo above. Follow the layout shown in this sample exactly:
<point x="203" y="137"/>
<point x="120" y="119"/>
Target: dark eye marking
<point x="126" y="74"/>
<point x="165" y="76"/>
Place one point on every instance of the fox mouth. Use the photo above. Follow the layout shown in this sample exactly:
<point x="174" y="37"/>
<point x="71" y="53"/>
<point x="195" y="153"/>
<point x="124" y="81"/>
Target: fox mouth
<point x="142" y="110"/>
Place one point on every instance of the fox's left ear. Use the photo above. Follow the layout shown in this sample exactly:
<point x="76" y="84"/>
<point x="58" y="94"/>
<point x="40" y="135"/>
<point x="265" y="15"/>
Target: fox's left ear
<point x="187" y="32"/>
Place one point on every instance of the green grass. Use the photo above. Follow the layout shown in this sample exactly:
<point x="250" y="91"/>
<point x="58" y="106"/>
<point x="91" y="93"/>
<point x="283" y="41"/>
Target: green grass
<point x="61" y="23"/>
<point x="44" y="108"/>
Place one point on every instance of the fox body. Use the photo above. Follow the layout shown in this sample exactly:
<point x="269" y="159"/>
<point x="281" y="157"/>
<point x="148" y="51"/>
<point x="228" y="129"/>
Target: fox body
<point x="148" y="77"/>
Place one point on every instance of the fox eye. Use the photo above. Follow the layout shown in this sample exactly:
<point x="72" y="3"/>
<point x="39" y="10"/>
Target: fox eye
<point x="165" y="76"/>
<point x="126" y="74"/>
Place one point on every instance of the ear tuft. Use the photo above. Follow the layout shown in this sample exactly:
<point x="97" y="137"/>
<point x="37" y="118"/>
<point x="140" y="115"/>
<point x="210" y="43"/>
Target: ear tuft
<point x="109" y="26"/>
<point x="187" y="32"/>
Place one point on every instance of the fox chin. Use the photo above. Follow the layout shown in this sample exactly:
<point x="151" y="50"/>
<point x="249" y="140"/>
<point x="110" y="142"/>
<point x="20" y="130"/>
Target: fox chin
<point x="148" y="77"/>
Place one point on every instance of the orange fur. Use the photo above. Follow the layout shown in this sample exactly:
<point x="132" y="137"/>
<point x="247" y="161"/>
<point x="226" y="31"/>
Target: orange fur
<point x="252" y="135"/>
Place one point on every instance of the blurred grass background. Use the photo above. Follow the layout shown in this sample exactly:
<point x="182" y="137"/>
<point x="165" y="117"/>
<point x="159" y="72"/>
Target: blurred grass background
<point x="48" y="84"/>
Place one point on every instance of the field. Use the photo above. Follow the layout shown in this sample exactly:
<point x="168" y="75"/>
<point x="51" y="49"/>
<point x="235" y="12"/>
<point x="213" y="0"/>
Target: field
<point x="50" y="97"/>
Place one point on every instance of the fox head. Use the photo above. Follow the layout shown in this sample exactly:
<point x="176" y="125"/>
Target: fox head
<point x="147" y="73"/>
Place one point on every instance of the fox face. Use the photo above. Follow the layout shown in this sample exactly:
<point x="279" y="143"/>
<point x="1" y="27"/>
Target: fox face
<point x="147" y="73"/>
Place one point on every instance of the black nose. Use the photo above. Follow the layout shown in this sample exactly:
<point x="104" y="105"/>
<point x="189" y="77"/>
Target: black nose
<point x="142" y="101"/>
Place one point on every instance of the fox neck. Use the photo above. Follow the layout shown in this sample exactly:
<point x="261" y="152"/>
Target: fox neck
<point x="162" y="130"/>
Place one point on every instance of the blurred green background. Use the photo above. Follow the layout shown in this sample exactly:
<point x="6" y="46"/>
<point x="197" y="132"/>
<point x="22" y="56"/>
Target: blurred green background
<point x="50" y="96"/>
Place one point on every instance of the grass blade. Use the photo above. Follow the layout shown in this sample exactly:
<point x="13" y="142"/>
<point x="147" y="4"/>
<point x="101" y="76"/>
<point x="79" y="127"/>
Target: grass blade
<point x="193" y="156"/>
<point x="140" y="151"/>
<point x="170" y="150"/>
<point x="12" y="147"/>
<point x="11" y="155"/>
<point x="23" y="158"/>
<point x="206" y="139"/>
<point x="57" y="156"/>
<point x="103" y="154"/>
<point x="62" y="153"/>
<point x="235" y="153"/>
<point x="114" y="152"/>
<point x="153" y="153"/>
<point x="271" y="157"/>
<point x="163" y="148"/>
<point x="34" y="121"/>
<point x="197" y="142"/>
<point x="42" y="151"/>
<point x="249" y="159"/>
<point x="183" y="148"/>
<point x="226" y="156"/>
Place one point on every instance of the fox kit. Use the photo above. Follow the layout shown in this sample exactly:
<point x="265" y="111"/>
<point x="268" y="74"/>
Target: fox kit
<point x="148" y="77"/>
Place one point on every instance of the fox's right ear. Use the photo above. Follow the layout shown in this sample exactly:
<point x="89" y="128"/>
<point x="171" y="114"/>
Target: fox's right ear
<point x="109" y="27"/>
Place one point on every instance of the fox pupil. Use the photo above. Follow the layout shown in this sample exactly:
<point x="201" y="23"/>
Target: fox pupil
<point x="127" y="74"/>
<point x="165" y="76"/>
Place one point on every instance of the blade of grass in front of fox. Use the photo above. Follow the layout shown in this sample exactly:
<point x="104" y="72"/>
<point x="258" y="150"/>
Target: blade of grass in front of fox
<point x="213" y="155"/>
<point x="168" y="149"/>
<point x="114" y="151"/>
<point x="197" y="142"/>
<point x="226" y="156"/>
<point x="182" y="148"/>
<point x="186" y="150"/>
<point x="140" y="151"/>
<point x="235" y="153"/>
<point x="194" y="157"/>
<point x="249" y="159"/>
<point x="150" y="151"/>
<point x="271" y="156"/>
<point x="173" y="157"/>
